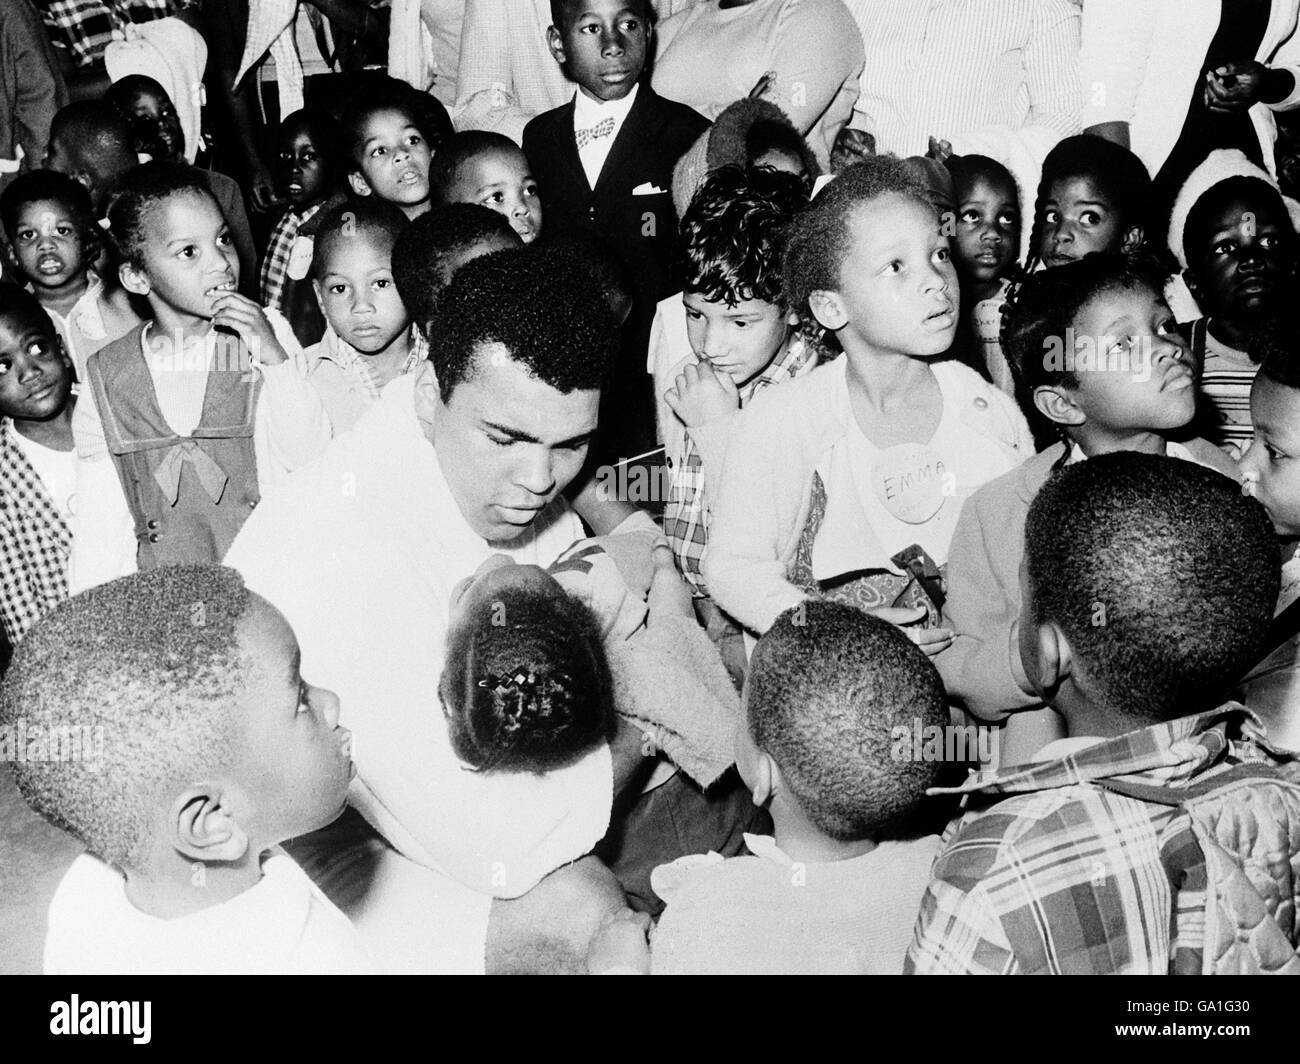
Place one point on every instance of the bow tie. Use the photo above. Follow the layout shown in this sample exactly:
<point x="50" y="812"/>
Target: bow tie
<point x="603" y="128"/>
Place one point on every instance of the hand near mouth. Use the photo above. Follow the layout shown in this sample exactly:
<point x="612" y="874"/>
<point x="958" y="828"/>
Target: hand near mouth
<point x="244" y="317"/>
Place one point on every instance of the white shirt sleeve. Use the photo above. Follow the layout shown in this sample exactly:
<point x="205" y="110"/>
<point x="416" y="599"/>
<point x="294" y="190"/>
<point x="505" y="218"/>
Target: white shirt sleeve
<point x="103" y="531"/>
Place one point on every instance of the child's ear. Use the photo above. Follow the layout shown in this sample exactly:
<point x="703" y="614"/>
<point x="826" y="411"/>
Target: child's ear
<point x="767" y="779"/>
<point x="1054" y="659"/>
<point x="1133" y="238"/>
<point x="359" y="184"/>
<point x="134" y="281"/>
<point x="828" y="309"/>
<point x="202" y="828"/>
<point x="1056" y="405"/>
<point x="556" y="45"/>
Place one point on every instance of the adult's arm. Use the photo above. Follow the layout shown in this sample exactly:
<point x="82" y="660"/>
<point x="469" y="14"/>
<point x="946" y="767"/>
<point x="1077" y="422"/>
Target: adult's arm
<point x="1117" y="37"/>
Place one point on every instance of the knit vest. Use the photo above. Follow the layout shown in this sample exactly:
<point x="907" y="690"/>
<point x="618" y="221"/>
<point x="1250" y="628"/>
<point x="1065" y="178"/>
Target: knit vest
<point x="189" y="495"/>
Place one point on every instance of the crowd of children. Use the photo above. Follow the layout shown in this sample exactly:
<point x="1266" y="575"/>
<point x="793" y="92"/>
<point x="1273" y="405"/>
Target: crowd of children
<point x="929" y="453"/>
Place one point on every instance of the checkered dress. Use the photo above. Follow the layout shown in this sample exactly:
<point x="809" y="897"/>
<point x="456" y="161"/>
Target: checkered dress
<point x="686" y="518"/>
<point x="84" y="28"/>
<point x="34" y="542"/>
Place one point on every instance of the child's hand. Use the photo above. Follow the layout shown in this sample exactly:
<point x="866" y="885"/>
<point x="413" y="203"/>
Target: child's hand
<point x="931" y="640"/>
<point x="241" y="315"/>
<point x="619" y="945"/>
<point x="668" y="596"/>
<point x="701" y="394"/>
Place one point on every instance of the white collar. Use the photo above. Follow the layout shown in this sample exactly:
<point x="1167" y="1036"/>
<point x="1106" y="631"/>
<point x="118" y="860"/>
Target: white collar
<point x="587" y="112"/>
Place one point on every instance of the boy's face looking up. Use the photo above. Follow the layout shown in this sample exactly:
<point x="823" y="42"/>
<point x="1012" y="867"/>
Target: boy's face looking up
<point x="394" y="161"/>
<point x="292" y="761"/>
<point x="301" y="172"/>
<point x="739" y="340"/>
<point x="508" y="443"/>
<point x="988" y="230"/>
<point x="1079" y="219"/>
<point x="898" y="288"/>
<point x="1139" y="376"/>
<point x="1244" y="259"/>
<point x="503" y="182"/>
<point x="155" y="124"/>
<point x="357" y="294"/>
<point x="47" y="243"/>
<point x="602" y="44"/>
<point x="35" y="377"/>
<point x="1271" y="465"/>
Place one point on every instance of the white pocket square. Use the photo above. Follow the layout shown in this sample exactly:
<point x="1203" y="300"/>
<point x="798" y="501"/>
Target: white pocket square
<point x="648" y="188"/>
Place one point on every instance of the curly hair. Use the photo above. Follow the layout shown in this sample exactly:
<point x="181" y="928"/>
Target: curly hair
<point x="821" y="236"/>
<point x="1159" y="572"/>
<point x="423" y="253"/>
<point x="540" y="305"/>
<point x="1114" y="171"/>
<point x="526" y="686"/>
<point x="146" y="670"/>
<point x="378" y="92"/>
<point x="138" y="195"/>
<point x="733" y="235"/>
<point x="828" y="685"/>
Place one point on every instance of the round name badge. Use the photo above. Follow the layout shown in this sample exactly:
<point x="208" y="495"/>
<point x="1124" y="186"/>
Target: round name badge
<point x="909" y="481"/>
<point x="300" y="258"/>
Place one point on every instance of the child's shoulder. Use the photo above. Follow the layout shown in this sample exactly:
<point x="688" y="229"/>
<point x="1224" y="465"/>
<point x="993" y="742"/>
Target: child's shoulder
<point x="981" y="405"/>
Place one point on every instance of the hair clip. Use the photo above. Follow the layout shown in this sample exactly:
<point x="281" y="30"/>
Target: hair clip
<point x="522" y="680"/>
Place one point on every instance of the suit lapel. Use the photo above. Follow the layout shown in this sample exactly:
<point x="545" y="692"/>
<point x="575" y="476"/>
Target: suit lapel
<point x="629" y="146"/>
<point x="566" y="147"/>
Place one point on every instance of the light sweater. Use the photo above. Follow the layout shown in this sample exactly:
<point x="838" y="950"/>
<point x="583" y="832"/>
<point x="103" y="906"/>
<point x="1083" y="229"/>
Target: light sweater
<point x="709" y="57"/>
<point x="764" y="494"/>
<point x="768" y="915"/>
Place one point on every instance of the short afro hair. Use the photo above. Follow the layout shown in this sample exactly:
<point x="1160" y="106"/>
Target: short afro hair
<point x="96" y="127"/>
<point x="375" y="220"/>
<point x="459" y="150"/>
<point x="733" y="235"/>
<point x="149" y="665"/>
<point x="533" y="694"/>
<point x="1114" y="171"/>
<point x="378" y="92"/>
<point x="821" y="236"/>
<point x="1160" y="573"/>
<point x="539" y="305"/>
<point x="423" y="253"/>
<point x="138" y="195"/>
<point x="37" y="185"/>
<point x="1038" y="319"/>
<point x="828" y="685"/>
<point x="18" y="304"/>
<point x="561" y="16"/>
<point x="608" y="270"/>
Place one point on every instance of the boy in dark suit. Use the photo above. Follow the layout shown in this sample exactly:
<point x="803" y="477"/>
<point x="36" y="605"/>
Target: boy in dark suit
<point x="604" y="165"/>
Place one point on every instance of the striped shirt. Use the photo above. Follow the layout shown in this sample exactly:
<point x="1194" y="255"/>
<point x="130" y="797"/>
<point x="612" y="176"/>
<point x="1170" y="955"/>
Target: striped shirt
<point x="1226" y="377"/>
<point x="959" y="69"/>
<point x="1062" y="876"/>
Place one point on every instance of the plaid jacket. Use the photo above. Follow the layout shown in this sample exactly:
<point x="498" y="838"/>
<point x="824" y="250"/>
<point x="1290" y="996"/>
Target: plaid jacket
<point x="84" y="27"/>
<point x="34" y="542"/>
<point x="686" y="517"/>
<point x="1063" y="877"/>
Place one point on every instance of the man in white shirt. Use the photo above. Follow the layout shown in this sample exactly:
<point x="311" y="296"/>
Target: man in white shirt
<point x="461" y="460"/>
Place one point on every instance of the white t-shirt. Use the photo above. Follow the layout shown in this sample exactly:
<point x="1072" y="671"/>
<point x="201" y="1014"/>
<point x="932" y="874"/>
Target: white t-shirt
<point x="281" y="926"/>
<point x="57" y="470"/>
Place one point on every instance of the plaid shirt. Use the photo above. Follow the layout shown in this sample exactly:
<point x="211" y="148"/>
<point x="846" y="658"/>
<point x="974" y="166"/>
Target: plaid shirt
<point x="34" y="542"/>
<point x="334" y="348"/>
<point x="275" y="266"/>
<point x="1065" y="877"/>
<point x="84" y="28"/>
<point x="686" y="517"/>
